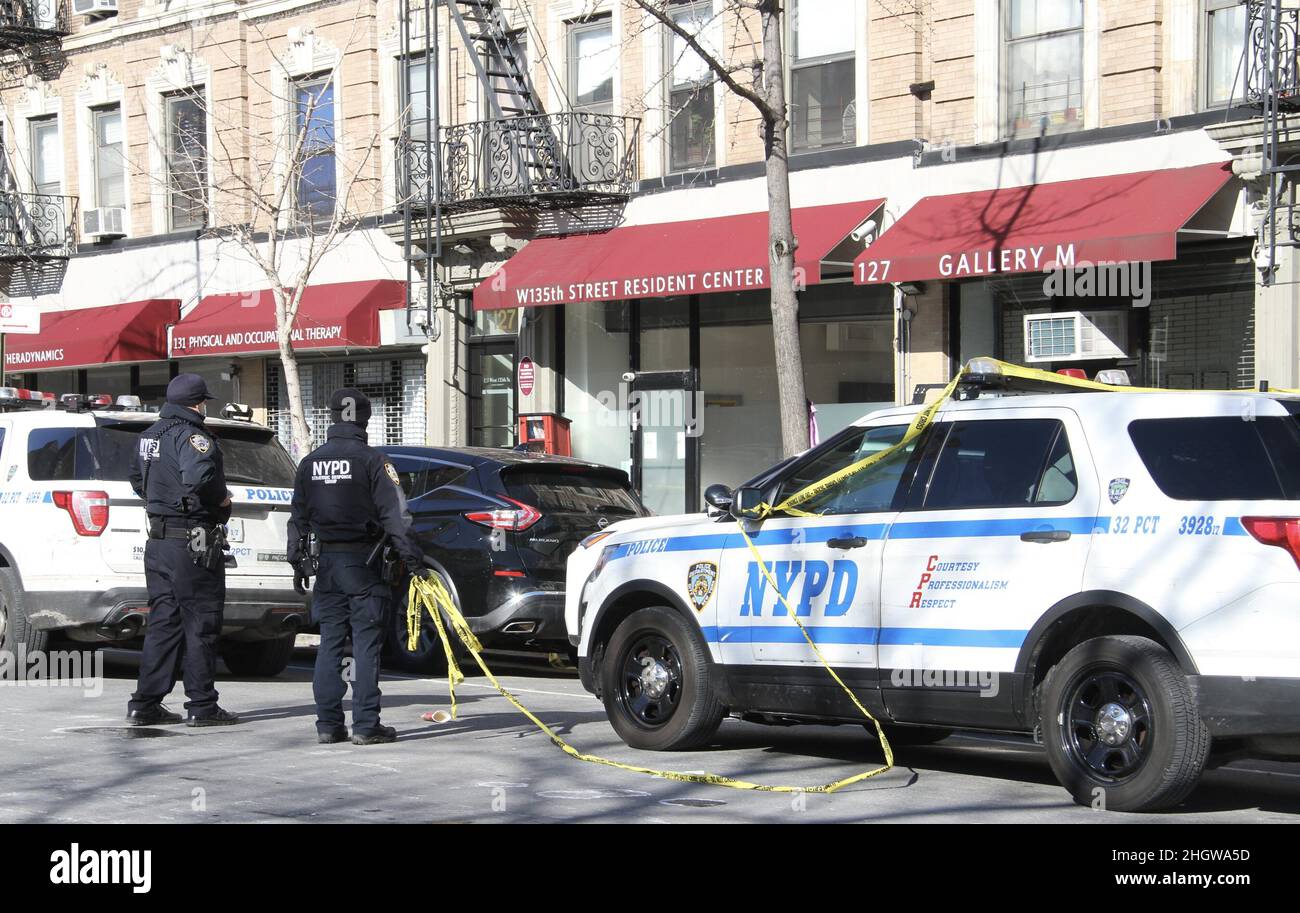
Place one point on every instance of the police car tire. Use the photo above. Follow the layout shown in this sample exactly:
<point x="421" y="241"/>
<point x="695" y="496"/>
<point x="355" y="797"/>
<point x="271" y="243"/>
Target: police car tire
<point x="17" y="629"/>
<point x="1180" y="739"/>
<point x="259" y="658"/>
<point x="698" y="713"/>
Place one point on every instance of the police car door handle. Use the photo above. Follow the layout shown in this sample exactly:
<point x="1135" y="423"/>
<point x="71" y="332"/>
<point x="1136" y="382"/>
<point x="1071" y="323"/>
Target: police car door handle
<point x="847" y="542"/>
<point x="1045" y="535"/>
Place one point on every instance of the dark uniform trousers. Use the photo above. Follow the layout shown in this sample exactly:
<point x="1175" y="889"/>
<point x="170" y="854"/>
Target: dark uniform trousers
<point x="185" y="609"/>
<point x="348" y="595"/>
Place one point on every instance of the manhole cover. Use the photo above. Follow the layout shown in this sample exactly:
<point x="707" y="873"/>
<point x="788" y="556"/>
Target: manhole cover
<point x="122" y="732"/>
<point x="692" y="803"/>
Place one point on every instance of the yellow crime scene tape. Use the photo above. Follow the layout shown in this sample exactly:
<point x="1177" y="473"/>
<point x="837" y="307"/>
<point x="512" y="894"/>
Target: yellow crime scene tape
<point x="430" y="594"/>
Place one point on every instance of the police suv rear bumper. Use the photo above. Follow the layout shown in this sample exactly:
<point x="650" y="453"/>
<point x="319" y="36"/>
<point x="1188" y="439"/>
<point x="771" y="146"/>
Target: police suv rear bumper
<point x="121" y="613"/>
<point x="1232" y="706"/>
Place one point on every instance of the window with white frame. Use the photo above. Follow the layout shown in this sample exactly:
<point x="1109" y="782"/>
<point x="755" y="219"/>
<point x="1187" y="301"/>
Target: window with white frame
<point x="47" y="155"/>
<point x="1042" y="66"/>
<point x="186" y="159"/>
<point x="689" y="83"/>
<point x="416" y="106"/>
<point x="823" y="103"/>
<point x="592" y="59"/>
<point x="314" y="168"/>
<point x="110" y="157"/>
<point x="1223" y="53"/>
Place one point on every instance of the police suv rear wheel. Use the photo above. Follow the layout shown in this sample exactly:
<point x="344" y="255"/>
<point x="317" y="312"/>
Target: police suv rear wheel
<point x="1121" y="725"/>
<point x="259" y="658"/>
<point x="655" y="682"/>
<point x="15" y="628"/>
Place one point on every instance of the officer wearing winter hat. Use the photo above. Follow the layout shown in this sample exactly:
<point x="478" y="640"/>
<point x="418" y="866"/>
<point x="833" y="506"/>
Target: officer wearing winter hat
<point x="349" y="497"/>
<point x="178" y="472"/>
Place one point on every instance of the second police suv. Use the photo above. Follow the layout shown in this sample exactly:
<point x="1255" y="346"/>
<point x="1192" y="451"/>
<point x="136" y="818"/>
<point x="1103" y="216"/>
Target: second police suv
<point x="1116" y="572"/>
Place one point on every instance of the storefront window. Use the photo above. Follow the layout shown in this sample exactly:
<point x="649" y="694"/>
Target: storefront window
<point x="596" y="355"/>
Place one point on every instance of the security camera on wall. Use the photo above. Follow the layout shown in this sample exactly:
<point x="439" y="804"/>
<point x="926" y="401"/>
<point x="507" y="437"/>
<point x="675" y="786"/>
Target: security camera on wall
<point x="866" y="232"/>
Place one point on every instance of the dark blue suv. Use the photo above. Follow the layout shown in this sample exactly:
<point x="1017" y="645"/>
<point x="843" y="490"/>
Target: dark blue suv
<point x="498" y="526"/>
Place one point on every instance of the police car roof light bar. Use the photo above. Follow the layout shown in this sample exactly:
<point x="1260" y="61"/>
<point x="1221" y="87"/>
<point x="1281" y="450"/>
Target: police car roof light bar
<point x="85" y="402"/>
<point x="237" y="412"/>
<point x="17" y="398"/>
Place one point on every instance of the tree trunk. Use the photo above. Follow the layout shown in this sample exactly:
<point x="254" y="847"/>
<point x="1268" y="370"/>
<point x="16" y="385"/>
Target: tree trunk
<point x="301" y="435"/>
<point x="782" y="243"/>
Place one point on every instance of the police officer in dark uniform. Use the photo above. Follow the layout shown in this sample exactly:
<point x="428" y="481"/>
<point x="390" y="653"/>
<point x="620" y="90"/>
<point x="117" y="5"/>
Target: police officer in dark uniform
<point x="350" y="498"/>
<point x="178" y="472"/>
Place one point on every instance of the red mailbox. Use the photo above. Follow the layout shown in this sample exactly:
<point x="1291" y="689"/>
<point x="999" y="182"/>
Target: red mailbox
<point x="545" y="432"/>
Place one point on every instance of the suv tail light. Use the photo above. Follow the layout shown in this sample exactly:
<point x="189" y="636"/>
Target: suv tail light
<point x="88" y="510"/>
<point x="512" y="519"/>
<point x="1284" y="532"/>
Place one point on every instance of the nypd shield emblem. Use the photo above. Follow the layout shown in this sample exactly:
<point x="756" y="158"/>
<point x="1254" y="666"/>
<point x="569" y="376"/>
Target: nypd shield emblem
<point x="1118" y="488"/>
<point x="392" y="474"/>
<point x="200" y="443"/>
<point x="700" y="582"/>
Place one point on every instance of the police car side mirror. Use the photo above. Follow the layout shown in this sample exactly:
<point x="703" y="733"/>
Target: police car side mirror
<point x="747" y="503"/>
<point x="718" y="497"/>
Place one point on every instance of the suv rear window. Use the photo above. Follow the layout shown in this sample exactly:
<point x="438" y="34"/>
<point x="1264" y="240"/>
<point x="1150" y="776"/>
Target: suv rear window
<point x="1221" y="458"/>
<point x="60" y="454"/>
<point x="572" y="491"/>
<point x="252" y="456"/>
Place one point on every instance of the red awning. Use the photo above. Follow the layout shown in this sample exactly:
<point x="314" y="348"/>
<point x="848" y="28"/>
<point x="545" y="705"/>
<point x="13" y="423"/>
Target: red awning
<point x="700" y="256"/>
<point x="343" y="315"/>
<point x="1121" y="217"/>
<point x="95" y="336"/>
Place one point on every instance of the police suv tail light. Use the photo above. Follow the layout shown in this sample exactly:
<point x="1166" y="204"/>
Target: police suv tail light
<point x="88" y="510"/>
<point x="513" y="520"/>
<point x="1284" y="532"/>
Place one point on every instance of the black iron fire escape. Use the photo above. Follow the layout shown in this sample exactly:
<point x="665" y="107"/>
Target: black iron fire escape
<point x="1272" y="84"/>
<point x="37" y="230"/>
<point x="519" y="159"/>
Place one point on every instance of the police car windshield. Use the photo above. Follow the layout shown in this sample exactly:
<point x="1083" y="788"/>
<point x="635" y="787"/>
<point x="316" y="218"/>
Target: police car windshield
<point x="251" y="455"/>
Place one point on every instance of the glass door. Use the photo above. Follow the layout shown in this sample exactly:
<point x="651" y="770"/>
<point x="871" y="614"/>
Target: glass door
<point x="492" y="395"/>
<point x="665" y="453"/>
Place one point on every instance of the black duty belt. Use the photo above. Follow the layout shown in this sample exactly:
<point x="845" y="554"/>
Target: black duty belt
<point x="174" y="528"/>
<point x="347" y="548"/>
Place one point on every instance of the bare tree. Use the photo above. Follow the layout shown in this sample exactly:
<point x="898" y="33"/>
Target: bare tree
<point x="284" y="189"/>
<point x="765" y="91"/>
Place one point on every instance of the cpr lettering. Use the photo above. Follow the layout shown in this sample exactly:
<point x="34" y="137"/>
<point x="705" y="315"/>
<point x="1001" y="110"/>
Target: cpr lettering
<point x="837" y="581"/>
<point x="925" y="578"/>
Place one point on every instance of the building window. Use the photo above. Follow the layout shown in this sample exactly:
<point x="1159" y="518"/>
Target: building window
<point x="187" y="160"/>
<point x="47" y="156"/>
<point x="416" y="111"/>
<point x="1224" y="79"/>
<point x="690" y="93"/>
<point x="314" y="169"/>
<point x="110" y="160"/>
<point x="592" y="58"/>
<point x="822" y="99"/>
<point x="1043" y="65"/>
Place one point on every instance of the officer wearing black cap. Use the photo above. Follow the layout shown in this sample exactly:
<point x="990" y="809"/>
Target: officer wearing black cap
<point x="350" y="498"/>
<point x="178" y="472"/>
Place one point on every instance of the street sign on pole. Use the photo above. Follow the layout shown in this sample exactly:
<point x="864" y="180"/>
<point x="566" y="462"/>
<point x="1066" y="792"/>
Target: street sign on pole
<point x="19" y="318"/>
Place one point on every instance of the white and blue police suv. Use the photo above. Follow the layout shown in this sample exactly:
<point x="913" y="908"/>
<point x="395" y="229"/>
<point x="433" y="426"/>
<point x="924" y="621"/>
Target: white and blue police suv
<point x="72" y="532"/>
<point x="1118" y="572"/>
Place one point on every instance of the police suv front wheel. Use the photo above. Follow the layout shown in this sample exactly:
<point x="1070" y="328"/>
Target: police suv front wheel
<point x="1121" y="725"/>
<point x="655" y="682"/>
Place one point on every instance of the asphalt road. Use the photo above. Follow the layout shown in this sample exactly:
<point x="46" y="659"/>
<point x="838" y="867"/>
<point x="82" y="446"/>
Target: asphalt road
<point x="66" y="756"/>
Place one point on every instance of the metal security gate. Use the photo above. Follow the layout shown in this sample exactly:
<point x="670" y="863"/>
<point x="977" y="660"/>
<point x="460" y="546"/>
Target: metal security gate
<point x="396" y="387"/>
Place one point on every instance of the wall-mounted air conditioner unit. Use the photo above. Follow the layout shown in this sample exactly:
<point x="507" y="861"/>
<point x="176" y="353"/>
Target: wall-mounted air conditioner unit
<point x="108" y="222"/>
<point x="1076" y="335"/>
<point x="94" y="8"/>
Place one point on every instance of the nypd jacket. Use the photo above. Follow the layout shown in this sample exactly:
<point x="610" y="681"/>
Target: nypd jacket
<point x="347" y="492"/>
<point x="183" y="468"/>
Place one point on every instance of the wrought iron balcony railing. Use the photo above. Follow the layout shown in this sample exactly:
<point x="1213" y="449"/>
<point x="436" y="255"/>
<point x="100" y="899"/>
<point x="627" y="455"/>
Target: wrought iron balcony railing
<point x="36" y="226"/>
<point x="23" y="22"/>
<point x="569" y="158"/>
<point x="1271" y="51"/>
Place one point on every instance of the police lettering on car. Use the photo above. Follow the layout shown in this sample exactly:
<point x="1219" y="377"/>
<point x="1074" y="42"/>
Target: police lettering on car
<point x="349" y="510"/>
<point x="178" y="471"/>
